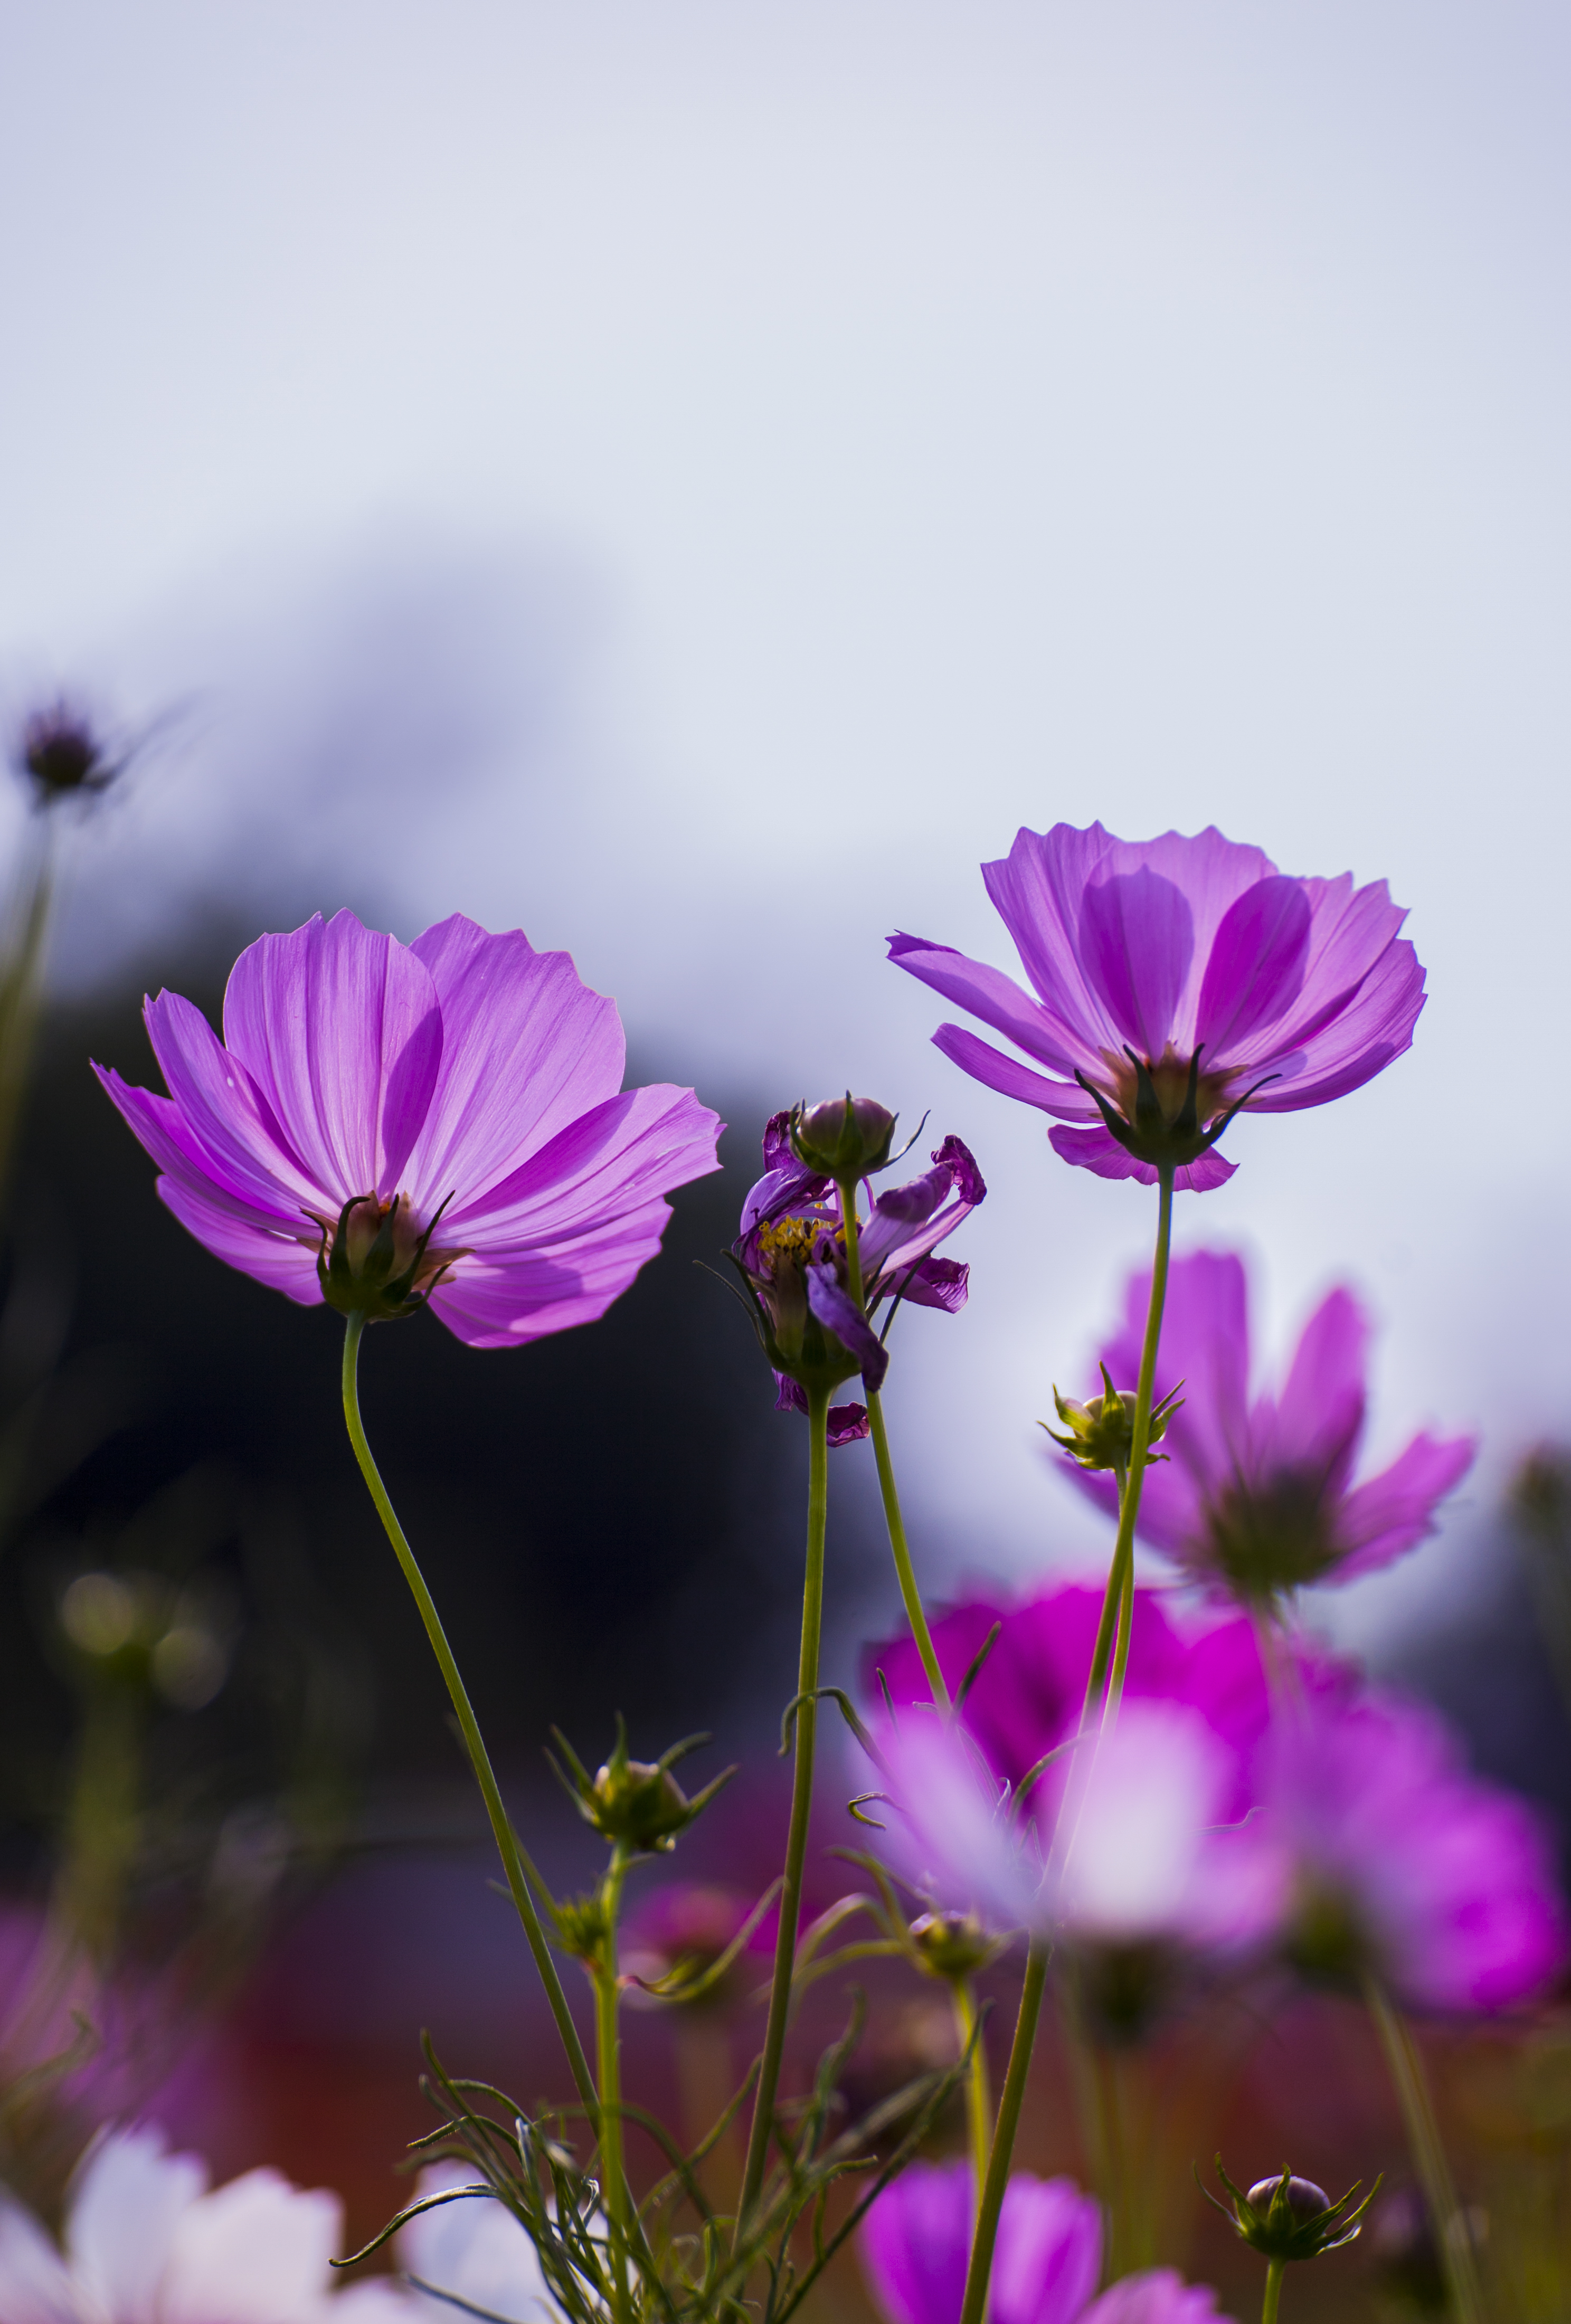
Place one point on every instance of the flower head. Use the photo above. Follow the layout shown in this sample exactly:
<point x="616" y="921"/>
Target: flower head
<point x="1289" y="2219"/>
<point x="1257" y="1497"/>
<point x="1176" y="981"/>
<point x="144" y="2239"/>
<point x="791" y="1254"/>
<point x="62" y="756"/>
<point x="1391" y="1860"/>
<point x="367" y="1089"/>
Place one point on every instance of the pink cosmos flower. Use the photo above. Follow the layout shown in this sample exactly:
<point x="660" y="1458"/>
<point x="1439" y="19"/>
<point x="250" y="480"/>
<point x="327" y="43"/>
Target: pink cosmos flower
<point x="915" y="2244"/>
<point x="144" y="2240"/>
<point x="1256" y="1497"/>
<point x="367" y="1091"/>
<point x="1027" y="1698"/>
<point x="1391" y="1857"/>
<point x="1175" y="981"/>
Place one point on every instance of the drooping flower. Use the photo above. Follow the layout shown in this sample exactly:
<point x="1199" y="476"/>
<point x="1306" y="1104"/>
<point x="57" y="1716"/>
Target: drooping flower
<point x="915" y="2244"/>
<point x="1175" y="981"/>
<point x="144" y="2240"/>
<point x="443" y="1123"/>
<point x="1256" y="1497"/>
<point x="1391" y="1859"/>
<point x="790" y="1253"/>
<point x="1026" y="1698"/>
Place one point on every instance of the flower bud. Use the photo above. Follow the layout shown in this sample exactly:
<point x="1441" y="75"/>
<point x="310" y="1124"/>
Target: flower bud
<point x="952" y="1944"/>
<point x="842" y="1137"/>
<point x="1101" y="1430"/>
<point x="61" y="756"/>
<point x="636" y="1803"/>
<point x="1289" y="2219"/>
<point x="582" y="1926"/>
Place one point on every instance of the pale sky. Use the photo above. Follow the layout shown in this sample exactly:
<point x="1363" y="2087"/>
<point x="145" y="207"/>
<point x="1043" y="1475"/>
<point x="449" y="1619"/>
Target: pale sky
<point x="693" y="479"/>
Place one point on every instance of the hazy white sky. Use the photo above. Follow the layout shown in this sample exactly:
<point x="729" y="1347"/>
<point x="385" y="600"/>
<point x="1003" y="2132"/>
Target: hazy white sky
<point x="693" y="479"/>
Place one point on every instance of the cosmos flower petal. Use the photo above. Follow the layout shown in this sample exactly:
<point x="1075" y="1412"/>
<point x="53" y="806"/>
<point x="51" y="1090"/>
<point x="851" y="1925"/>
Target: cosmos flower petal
<point x="165" y="1132"/>
<point x="838" y="1313"/>
<point x="943" y="1283"/>
<point x="220" y="1122"/>
<point x="274" y="1258"/>
<point x="1389" y="1513"/>
<point x="125" y="2204"/>
<point x="1318" y="1417"/>
<point x="1097" y="1150"/>
<point x="1375" y="1026"/>
<point x="1136" y="939"/>
<point x="915" y="2242"/>
<point x="1256" y="969"/>
<point x="35" y="2284"/>
<point x="340" y="1030"/>
<point x="505" y="1299"/>
<point x="620" y="1154"/>
<point x="1067" y="1100"/>
<point x="528" y="1049"/>
<point x="476" y="2252"/>
<point x="253" y="2252"/>
<point x="1159" y="2295"/>
<point x="988" y="993"/>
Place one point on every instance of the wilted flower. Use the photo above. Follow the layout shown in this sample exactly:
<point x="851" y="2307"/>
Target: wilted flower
<point x="1176" y="980"/>
<point x="790" y="1253"/>
<point x="915" y="2244"/>
<point x="1391" y="1860"/>
<point x="1256" y="1497"/>
<point x="144" y="2239"/>
<point x="369" y="1089"/>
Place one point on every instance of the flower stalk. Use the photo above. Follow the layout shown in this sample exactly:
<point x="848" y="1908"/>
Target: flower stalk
<point x="779" y="1998"/>
<point x="1118" y="1602"/>
<point x="910" y="1595"/>
<point x="506" y="1838"/>
<point x="1453" y="2236"/>
<point x="980" y="2271"/>
<point x="1273" y="2291"/>
<point x="978" y="2098"/>
<point x="608" y="2065"/>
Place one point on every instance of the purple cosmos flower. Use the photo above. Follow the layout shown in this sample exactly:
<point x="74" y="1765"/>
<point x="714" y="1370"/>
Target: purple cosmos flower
<point x="1256" y="1497"/>
<point x="1176" y="980"/>
<point x="916" y="2241"/>
<point x="1027" y="1698"/>
<point x="1391" y="1858"/>
<point x="791" y="1252"/>
<point x="915" y="2244"/>
<point x="367" y="1089"/>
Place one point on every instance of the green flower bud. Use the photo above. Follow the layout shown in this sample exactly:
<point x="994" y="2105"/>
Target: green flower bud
<point x="636" y="1803"/>
<point x="1101" y="1430"/>
<point x="952" y="1944"/>
<point x="582" y="1927"/>
<point x="844" y="1138"/>
<point x="1290" y="2218"/>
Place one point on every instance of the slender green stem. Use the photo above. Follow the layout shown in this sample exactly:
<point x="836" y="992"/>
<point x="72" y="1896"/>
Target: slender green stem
<point x="997" y="2181"/>
<point x="911" y="1597"/>
<point x="479" y="1759"/>
<point x="978" y="2098"/>
<point x="21" y="961"/>
<point x="1453" y="2236"/>
<point x="1121" y="1573"/>
<point x="1274" y="2273"/>
<point x="785" y="1950"/>
<point x="608" y="2063"/>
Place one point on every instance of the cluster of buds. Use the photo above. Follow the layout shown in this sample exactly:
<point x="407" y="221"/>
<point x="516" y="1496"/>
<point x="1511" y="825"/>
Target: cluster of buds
<point x="637" y="1804"/>
<point x="1102" y="1429"/>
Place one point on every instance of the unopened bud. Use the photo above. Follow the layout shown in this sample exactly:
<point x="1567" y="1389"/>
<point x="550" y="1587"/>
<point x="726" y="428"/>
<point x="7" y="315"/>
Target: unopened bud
<point x="61" y="755"/>
<point x="845" y="1138"/>
<point x="952" y="1944"/>
<point x="1288" y="2218"/>
<point x="636" y="1803"/>
<point x="1102" y="1429"/>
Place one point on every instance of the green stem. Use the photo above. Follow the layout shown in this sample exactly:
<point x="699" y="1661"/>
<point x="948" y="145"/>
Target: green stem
<point x="1014" y="2081"/>
<point x="1273" y="2291"/>
<point x="479" y="1759"/>
<point x="1120" y="1590"/>
<point x="911" y="1597"/>
<point x="910" y="1593"/>
<point x="21" y="951"/>
<point x="785" y="1950"/>
<point x="608" y="2063"/>
<point x="1453" y="2237"/>
<point x="978" y="2099"/>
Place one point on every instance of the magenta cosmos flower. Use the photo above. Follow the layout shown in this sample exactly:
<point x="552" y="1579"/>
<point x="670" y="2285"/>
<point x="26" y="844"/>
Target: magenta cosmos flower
<point x="915" y="2245"/>
<point x="1175" y="981"/>
<point x="1256" y="1497"/>
<point x="446" y="1120"/>
<point x="1392" y="1860"/>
